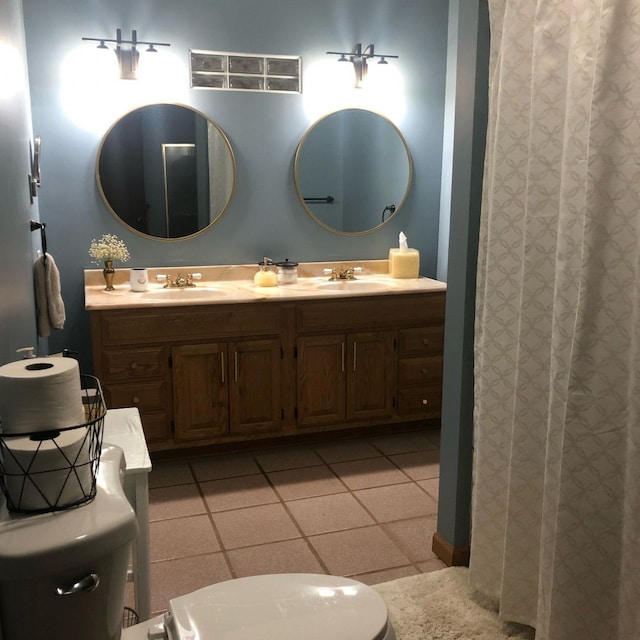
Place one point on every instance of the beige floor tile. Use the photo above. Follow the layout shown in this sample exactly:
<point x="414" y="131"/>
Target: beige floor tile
<point x="372" y="472"/>
<point x="435" y="564"/>
<point x="329" y="513"/>
<point x="217" y="467"/>
<point x="237" y="493"/>
<point x="288" y="458"/>
<point x="178" y="577"/>
<point x="255" y="525"/>
<point x="431" y="486"/>
<point x="345" y="450"/>
<point x="305" y="482"/>
<point x="397" y="502"/>
<point x="405" y="442"/>
<point x="414" y="536"/>
<point x="357" y="551"/>
<point x="182" y="537"/>
<point x="419" y="465"/>
<point x="175" y="502"/>
<point x="167" y="473"/>
<point x="386" y="575"/>
<point x="290" y="556"/>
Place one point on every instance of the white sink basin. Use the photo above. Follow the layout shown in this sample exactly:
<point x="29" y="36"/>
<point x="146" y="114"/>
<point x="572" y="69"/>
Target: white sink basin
<point x="185" y="294"/>
<point x="354" y="286"/>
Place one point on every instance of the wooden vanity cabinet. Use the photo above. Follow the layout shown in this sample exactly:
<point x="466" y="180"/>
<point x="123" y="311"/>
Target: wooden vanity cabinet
<point x="353" y="355"/>
<point x="200" y="379"/>
<point x="420" y="371"/>
<point x="226" y="388"/>
<point x="345" y="377"/>
<point x="210" y="374"/>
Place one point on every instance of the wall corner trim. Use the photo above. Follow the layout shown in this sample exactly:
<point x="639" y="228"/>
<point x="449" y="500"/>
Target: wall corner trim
<point x="450" y="555"/>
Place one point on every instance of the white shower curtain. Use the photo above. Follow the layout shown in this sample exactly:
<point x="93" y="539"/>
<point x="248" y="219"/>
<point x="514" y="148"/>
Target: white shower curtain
<point x="556" y="498"/>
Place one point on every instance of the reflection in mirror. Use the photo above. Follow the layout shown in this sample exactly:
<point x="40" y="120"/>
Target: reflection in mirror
<point x="352" y="171"/>
<point x="166" y="171"/>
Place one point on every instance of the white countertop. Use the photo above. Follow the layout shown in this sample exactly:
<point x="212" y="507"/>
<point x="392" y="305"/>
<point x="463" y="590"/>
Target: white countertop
<point x="234" y="284"/>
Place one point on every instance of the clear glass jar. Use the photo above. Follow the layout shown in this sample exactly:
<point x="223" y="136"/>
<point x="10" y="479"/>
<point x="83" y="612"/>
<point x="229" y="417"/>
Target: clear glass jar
<point x="287" y="272"/>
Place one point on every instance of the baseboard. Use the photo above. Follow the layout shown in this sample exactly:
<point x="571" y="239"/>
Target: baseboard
<point x="450" y="555"/>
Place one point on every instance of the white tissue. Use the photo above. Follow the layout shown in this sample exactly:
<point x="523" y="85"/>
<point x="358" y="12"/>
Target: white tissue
<point x="403" y="242"/>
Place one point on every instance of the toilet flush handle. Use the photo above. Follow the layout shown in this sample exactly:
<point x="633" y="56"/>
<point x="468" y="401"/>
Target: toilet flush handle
<point x="88" y="583"/>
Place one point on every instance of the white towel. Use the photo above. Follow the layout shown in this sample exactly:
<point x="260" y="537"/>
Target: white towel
<point x="49" y="304"/>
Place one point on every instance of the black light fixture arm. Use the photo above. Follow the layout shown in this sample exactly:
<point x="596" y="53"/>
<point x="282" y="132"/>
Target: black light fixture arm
<point x="128" y="57"/>
<point x="134" y="40"/>
<point x="359" y="53"/>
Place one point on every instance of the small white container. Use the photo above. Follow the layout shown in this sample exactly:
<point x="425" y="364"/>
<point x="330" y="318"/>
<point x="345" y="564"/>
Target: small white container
<point x="138" y="279"/>
<point x="287" y="272"/>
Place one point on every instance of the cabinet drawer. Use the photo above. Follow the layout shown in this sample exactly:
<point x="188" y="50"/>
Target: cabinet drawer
<point x="421" y="340"/>
<point x="376" y="312"/>
<point x="426" y="370"/>
<point x="425" y="401"/>
<point x="147" y="396"/>
<point x="143" y="326"/>
<point x="133" y="363"/>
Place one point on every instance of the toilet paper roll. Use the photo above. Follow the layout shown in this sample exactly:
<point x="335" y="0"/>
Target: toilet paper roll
<point x="39" y="474"/>
<point x="40" y="394"/>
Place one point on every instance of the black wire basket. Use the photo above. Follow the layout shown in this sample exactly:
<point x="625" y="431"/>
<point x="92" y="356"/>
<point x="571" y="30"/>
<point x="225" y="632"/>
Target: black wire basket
<point x="129" y="618"/>
<point x="59" y="468"/>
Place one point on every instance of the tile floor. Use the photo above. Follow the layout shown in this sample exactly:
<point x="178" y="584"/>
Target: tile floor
<point x="364" y="508"/>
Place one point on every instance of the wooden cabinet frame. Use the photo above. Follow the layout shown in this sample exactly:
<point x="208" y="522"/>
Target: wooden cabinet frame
<point x="210" y="374"/>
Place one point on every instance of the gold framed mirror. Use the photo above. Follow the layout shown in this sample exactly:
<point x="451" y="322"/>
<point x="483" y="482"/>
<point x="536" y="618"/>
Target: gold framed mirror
<point x="166" y="171"/>
<point x="353" y="171"/>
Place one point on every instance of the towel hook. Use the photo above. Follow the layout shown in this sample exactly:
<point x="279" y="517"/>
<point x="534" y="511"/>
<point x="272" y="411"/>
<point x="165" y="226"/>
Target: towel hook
<point x="35" y="225"/>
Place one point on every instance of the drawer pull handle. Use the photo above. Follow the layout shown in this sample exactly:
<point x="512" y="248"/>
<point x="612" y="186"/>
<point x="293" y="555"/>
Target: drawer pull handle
<point x="134" y="365"/>
<point x="425" y="401"/>
<point x="135" y="400"/>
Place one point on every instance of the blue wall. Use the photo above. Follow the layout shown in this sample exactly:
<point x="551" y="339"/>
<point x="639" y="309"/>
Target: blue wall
<point x="17" y="307"/>
<point x="265" y="217"/>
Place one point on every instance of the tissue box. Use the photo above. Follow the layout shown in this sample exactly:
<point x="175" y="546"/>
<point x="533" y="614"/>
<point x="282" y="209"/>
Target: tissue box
<point x="404" y="264"/>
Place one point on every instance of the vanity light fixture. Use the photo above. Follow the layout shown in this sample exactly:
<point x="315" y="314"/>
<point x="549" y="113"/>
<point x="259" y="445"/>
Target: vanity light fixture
<point x="128" y="57"/>
<point x="358" y="57"/>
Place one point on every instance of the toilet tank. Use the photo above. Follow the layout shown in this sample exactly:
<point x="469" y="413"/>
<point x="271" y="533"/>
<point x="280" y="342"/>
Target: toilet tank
<point x="63" y="574"/>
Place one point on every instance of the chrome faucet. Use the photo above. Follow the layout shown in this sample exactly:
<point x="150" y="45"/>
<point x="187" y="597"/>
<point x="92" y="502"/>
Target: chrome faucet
<point x="179" y="281"/>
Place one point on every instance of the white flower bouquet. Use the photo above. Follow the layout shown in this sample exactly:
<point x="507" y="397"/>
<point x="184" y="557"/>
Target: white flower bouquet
<point x="108" y="248"/>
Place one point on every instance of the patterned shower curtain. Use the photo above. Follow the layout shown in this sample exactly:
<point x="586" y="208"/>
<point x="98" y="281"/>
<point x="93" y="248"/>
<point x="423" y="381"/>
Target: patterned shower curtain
<point x="556" y="499"/>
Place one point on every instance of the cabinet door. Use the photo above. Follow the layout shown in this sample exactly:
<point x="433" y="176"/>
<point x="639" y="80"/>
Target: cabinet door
<point x="370" y="375"/>
<point x="321" y="380"/>
<point x="255" y="386"/>
<point x="200" y="391"/>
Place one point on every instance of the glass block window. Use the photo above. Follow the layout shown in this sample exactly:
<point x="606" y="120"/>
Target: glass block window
<point x="245" y="72"/>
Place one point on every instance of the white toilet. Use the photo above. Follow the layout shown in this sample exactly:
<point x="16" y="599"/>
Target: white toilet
<point x="63" y="575"/>
<point x="291" y="606"/>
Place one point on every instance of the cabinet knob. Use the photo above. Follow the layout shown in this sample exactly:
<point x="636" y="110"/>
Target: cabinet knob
<point x="134" y="365"/>
<point x="424" y="372"/>
<point x="135" y="400"/>
<point x="425" y="341"/>
<point x="425" y="401"/>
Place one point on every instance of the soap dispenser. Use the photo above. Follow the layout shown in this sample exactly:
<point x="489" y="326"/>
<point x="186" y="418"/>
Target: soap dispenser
<point x="265" y="277"/>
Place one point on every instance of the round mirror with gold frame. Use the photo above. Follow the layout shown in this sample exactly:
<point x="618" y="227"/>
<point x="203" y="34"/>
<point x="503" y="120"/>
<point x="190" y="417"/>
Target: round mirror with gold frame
<point x="166" y="171"/>
<point x="352" y="171"/>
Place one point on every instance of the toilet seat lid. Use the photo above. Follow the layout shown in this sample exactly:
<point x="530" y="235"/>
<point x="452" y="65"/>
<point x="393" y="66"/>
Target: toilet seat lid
<point x="283" y="606"/>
